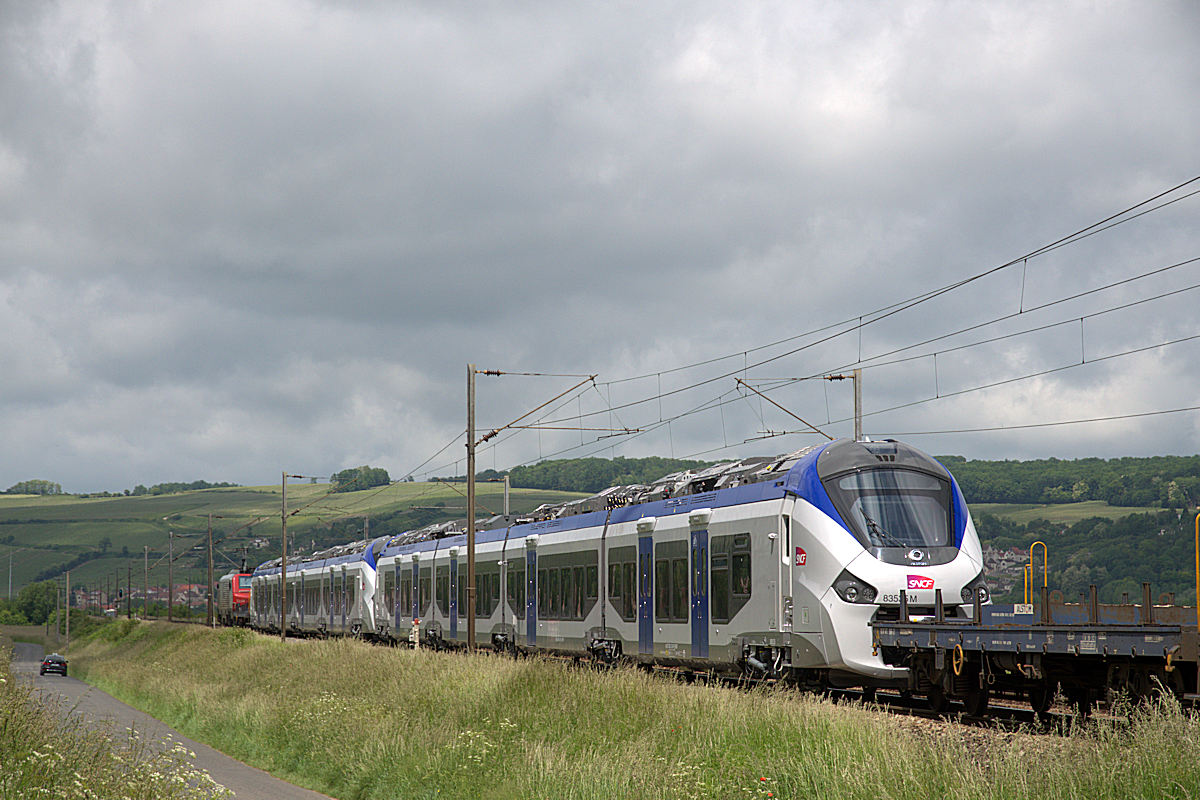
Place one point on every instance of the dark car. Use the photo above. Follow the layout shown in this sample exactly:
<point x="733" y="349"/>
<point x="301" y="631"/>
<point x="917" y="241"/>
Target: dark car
<point x="54" y="663"/>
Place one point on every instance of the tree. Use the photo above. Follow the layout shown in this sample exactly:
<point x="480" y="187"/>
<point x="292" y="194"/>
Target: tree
<point x="357" y="478"/>
<point x="36" y="601"/>
<point x="35" y="486"/>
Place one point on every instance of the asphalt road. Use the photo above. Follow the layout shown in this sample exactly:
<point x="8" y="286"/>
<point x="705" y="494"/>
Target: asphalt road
<point x="78" y="698"/>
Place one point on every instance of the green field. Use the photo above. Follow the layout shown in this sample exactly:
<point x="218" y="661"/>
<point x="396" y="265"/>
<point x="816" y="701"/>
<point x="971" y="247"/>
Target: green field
<point x="1065" y="513"/>
<point x="103" y="539"/>
<point x="359" y="721"/>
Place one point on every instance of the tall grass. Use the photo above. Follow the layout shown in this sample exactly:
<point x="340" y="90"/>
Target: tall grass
<point x="359" y="721"/>
<point x="42" y="754"/>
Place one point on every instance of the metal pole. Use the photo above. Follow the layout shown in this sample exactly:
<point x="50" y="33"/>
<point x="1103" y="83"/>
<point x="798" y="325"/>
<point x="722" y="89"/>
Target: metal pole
<point x="146" y="587"/>
<point x="210" y="573"/>
<point x="505" y="495"/>
<point x="57" y="612"/>
<point x="10" y="555"/>
<point x="470" y="506"/>
<point x="170" y="574"/>
<point x="283" y="566"/>
<point x="67" y="646"/>
<point x="128" y="590"/>
<point x="858" y="434"/>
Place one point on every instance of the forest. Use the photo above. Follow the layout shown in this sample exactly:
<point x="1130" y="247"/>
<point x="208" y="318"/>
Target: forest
<point x="1157" y="481"/>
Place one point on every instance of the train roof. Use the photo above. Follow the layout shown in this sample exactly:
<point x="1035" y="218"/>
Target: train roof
<point x="671" y="493"/>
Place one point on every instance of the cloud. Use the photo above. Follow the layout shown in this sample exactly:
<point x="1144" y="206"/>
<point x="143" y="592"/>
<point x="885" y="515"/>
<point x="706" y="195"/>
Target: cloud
<point x="239" y="238"/>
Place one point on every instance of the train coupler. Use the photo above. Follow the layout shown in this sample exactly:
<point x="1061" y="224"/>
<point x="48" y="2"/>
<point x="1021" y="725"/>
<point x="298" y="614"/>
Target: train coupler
<point x="605" y="650"/>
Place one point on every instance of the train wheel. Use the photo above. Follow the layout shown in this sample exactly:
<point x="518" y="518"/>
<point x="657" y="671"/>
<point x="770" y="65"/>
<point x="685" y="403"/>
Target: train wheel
<point x="976" y="701"/>
<point x="937" y="700"/>
<point x="1041" y="697"/>
<point x="868" y="694"/>
<point x="1083" y="701"/>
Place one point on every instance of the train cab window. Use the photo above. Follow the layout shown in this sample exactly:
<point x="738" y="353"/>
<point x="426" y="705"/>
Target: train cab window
<point x="894" y="507"/>
<point x="730" y="586"/>
<point x="622" y="583"/>
<point x="516" y="590"/>
<point x="442" y="582"/>
<point x="243" y="581"/>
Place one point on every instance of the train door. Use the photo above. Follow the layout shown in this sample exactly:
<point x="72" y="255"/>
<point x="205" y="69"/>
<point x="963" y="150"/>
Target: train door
<point x="453" y="593"/>
<point x="699" y="615"/>
<point x="645" y="594"/>
<point x="531" y="591"/>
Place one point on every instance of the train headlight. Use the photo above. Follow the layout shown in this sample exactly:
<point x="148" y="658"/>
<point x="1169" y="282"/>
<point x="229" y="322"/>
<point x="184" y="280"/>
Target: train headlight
<point x="853" y="590"/>
<point x="976" y="587"/>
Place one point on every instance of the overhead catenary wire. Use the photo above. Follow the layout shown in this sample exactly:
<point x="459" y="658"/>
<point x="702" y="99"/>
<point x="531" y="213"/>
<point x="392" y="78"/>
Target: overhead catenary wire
<point x="886" y="312"/>
<point x="857" y="322"/>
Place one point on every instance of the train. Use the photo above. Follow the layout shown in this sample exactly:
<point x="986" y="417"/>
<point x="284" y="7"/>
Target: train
<point x="769" y="567"/>
<point x="233" y="598"/>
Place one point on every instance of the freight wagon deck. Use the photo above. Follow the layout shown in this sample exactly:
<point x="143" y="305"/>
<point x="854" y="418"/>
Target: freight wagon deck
<point x="1090" y="651"/>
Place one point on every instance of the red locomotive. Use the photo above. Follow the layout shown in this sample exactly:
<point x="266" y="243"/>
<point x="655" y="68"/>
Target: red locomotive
<point x="233" y="599"/>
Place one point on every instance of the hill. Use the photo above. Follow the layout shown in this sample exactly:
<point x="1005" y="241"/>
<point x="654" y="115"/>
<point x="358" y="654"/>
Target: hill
<point x="107" y="540"/>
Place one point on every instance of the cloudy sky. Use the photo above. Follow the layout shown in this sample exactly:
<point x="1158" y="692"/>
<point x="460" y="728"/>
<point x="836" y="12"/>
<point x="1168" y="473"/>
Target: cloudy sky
<point x="241" y="238"/>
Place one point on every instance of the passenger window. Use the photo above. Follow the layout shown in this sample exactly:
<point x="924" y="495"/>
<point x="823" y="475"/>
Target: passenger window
<point x="443" y="589"/>
<point x="731" y="578"/>
<point x="516" y="591"/>
<point x="406" y="592"/>
<point x="425" y="591"/>
<point x="621" y="583"/>
<point x="671" y="581"/>
<point x="662" y="598"/>
<point x="555" y="610"/>
<point x="462" y="589"/>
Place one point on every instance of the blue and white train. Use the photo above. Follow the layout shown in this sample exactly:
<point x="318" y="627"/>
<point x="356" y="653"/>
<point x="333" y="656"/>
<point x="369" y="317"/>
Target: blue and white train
<point x="768" y="566"/>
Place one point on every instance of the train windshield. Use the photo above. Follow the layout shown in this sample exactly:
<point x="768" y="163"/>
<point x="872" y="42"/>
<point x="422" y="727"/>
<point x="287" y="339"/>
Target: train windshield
<point x="894" y="507"/>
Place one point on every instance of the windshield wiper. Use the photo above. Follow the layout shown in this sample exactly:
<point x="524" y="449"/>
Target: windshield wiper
<point x="877" y="528"/>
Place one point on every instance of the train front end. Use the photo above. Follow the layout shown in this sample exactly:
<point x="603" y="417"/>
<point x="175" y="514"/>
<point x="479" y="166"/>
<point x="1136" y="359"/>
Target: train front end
<point x="870" y="520"/>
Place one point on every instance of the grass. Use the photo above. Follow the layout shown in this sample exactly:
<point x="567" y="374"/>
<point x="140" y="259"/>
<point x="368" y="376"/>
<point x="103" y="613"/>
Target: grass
<point x="360" y="721"/>
<point x="43" y="754"/>
<point x="1061" y="513"/>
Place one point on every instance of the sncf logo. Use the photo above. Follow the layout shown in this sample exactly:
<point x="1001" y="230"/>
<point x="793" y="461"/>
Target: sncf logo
<point x="919" y="582"/>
